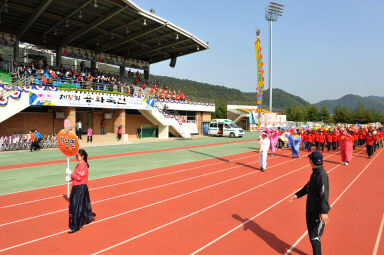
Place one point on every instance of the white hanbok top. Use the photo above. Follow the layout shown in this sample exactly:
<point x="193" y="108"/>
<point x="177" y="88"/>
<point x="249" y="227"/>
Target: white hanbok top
<point x="264" y="144"/>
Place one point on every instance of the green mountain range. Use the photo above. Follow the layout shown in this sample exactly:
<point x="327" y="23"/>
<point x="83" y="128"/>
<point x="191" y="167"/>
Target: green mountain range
<point x="351" y="101"/>
<point x="281" y="99"/>
<point x="221" y="94"/>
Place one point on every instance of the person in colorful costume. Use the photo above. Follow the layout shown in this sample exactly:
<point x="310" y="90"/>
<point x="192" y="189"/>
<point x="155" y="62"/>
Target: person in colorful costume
<point x="346" y="146"/>
<point x="294" y="140"/>
<point x="273" y="138"/>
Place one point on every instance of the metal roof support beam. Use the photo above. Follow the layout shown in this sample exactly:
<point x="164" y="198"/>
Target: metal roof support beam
<point x="70" y="38"/>
<point x="118" y="28"/>
<point x="159" y="48"/>
<point x="67" y="17"/>
<point x="121" y="42"/>
<point x="28" y="23"/>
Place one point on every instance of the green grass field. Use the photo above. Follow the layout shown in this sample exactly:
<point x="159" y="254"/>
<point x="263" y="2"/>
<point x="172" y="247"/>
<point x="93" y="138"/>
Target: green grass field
<point x="20" y="179"/>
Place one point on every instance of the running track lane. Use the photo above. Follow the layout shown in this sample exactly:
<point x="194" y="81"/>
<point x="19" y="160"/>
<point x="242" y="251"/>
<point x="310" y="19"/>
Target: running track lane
<point x="357" y="215"/>
<point x="207" y="225"/>
<point x="107" y="234"/>
<point x="273" y="231"/>
<point x="129" y="186"/>
<point x="63" y="161"/>
<point x="141" y="198"/>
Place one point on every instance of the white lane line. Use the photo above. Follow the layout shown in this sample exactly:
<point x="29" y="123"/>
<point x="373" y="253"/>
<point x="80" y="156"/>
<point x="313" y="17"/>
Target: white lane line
<point x="130" y="181"/>
<point x="203" y="209"/>
<point x="334" y="202"/>
<point x="242" y="224"/>
<point x="245" y="222"/>
<point x="378" y="237"/>
<point x="126" y="194"/>
<point x="156" y="203"/>
<point x="110" y="176"/>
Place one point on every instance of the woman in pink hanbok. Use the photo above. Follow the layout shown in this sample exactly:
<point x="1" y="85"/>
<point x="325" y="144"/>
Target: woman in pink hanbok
<point x="273" y="138"/>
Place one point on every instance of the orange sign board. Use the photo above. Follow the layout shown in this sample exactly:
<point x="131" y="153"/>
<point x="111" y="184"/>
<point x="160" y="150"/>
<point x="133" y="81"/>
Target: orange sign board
<point x="68" y="143"/>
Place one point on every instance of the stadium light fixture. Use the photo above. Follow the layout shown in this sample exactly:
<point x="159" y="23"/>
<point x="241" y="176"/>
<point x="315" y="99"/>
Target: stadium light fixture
<point x="177" y="36"/>
<point x="145" y="22"/>
<point x="112" y="37"/>
<point x="127" y="29"/>
<point x="95" y="4"/>
<point x="273" y="11"/>
<point x="66" y="23"/>
<point x="80" y="14"/>
<point x="55" y="31"/>
<point x="198" y="47"/>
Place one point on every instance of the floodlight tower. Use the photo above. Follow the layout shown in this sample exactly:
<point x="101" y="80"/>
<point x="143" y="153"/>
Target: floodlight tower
<point x="272" y="13"/>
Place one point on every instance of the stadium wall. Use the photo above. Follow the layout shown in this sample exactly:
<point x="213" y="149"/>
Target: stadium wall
<point x="44" y="119"/>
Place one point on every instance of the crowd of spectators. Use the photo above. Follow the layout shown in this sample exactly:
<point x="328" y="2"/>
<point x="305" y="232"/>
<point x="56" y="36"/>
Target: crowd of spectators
<point x="91" y="79"/>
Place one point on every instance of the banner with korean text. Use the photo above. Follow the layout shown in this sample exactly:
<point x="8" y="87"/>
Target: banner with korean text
<point x="93" y="100"/>
<point x="260" y="78"/>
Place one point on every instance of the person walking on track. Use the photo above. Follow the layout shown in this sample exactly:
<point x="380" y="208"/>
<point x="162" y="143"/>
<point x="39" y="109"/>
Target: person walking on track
<point x="317" y="191"/>
<point x="80" y="210"/>
<point x="263" y="151"/>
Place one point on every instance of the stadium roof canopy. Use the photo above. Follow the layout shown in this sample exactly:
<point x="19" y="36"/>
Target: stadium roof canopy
<point x="117" y="27"/>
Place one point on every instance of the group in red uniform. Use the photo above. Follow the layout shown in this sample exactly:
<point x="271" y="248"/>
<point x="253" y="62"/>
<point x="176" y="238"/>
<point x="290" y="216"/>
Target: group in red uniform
<point x="346" y="139"/>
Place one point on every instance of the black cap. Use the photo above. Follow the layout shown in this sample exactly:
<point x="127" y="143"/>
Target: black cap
<point x="316" y="157"/>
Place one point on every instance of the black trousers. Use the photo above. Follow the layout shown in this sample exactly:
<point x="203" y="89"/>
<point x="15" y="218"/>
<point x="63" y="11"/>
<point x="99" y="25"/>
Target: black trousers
<point x="78" y="133"/>
<point x="309" y="146"/>
<point x="80" y="210"/>
<point x="334" y="146"/>
<point x="280" y="144"/>
<point x="89" y="138"/>
<point x="329" y="144"/>
<point x="37" y="144"/>
<point x="315" y="231"/>
<point x="33" y="146"/>
<point x="370" y="150"/>
<point x="320" y="146"/>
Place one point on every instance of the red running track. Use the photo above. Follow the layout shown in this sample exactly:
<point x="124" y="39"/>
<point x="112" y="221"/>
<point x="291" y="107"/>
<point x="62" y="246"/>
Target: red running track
<point x="201" y="206"/>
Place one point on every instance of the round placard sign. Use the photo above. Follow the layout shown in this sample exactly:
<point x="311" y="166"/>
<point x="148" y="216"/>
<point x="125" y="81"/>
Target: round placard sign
<point x="67" y="143"/>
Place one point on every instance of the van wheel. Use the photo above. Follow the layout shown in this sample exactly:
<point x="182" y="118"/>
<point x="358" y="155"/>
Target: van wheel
<point x="232" y="135"/>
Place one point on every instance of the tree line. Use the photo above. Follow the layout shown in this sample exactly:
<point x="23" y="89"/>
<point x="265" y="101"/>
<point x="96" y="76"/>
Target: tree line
<point x="359" y="115"/>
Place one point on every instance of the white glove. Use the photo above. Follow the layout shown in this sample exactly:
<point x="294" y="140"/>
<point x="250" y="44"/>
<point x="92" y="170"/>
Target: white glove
<point x="68" y="178"/>
<point x="68" y="171"/>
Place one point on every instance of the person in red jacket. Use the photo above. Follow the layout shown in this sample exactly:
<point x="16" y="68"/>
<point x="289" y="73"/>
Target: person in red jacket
<point x="376" y="141"/>
<point x="310" y="139"/>
<point x="80" y="210"/>
<point x="362" y="135"/>
<point x="369" y="138"/>
<point x="355" y="137"/>
<point x="304" y="137"/>
<point x="334" y="139"/>
<point x="328" y="138"/>
<point x="320" y="141"/>
<point x="381" y="136"/>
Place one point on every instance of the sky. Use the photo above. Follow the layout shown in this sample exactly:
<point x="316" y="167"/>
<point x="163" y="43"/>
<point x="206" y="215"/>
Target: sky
<point x="321" y="49"/>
